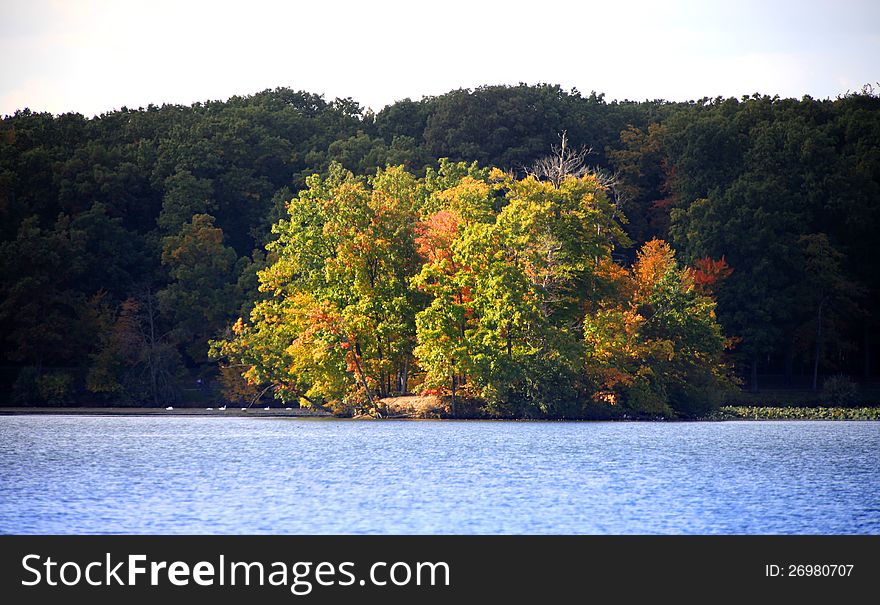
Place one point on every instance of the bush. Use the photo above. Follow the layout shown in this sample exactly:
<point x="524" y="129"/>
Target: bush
<point x="33" y="387"/>
<point x="24" y="390"/>
<point x="699" y="394"/>
<point x="646" y="398"/>
<point x="55" y="388"/>
<point x="840" y="390"/>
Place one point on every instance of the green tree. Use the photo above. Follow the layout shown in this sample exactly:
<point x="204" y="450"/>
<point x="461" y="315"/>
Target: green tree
<point x="827" y="294"/>
<point x="341" y="282"/>
<point x="185" y="196"/>
<point x="509" y="284"/>
<point x="200" y="300"/>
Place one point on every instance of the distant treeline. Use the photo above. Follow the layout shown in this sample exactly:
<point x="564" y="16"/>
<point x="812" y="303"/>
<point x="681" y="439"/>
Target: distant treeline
<point x="130" y="240"/>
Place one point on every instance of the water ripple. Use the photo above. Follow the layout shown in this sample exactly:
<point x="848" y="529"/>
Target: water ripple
<point x="74" y="474"/>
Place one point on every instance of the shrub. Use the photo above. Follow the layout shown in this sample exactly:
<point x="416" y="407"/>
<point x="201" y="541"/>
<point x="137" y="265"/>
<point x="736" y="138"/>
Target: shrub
<point x="24" y="390"/>
<point x="55" y="388"/>
<point x="646" y="398"/>
<point x="840" y="390"/>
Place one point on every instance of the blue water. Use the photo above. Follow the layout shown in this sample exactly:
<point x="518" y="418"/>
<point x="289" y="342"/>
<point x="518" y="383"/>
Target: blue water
<point x="202" y="475"/>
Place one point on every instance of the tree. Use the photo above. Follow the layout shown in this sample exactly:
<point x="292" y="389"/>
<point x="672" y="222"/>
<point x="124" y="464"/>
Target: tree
<point x="507" y="286"/>
<point x="200" y="299"/>
<point x="136" y="358"/>
<point x="185" y="196"/>
<point x="827" y="292"/>
<point x="751" y="226"/>
<point x="563" y="162"/>
<point x="656" y="347"/>
<point x="444" y="328"/>
<point x="38" y="303"/>
<point x="341" y="281"/>
<point x="644" y="177"/>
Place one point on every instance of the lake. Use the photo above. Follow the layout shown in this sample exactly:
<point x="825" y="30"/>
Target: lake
<point x="216" y="475"/>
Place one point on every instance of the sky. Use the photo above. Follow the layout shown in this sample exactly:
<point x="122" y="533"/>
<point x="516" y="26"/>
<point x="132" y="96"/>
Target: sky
<point x="94" y="56"/>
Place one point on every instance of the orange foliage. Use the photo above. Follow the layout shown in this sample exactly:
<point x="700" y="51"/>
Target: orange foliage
<point x="655" y="260"/>
<point x="606" y="397"/>
<point x="435" y="235"/>
<point x="614" y="377"/>
<point x="708" y="272"/>
<point x="616" y="277"/>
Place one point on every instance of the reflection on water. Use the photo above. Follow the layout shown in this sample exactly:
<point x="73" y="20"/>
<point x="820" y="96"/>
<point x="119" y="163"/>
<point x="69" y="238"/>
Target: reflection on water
<point x="75" y="474"/>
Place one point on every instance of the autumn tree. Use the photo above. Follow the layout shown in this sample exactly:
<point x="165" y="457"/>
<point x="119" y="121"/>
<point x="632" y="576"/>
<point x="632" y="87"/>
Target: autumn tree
<point x="136" y="360"/>
<point x="339" y="293"/>
<point x="510" y="264"/>
<point x="656" y="348"/>
<point x="644" y="175"/>
<point x="459" y="199"/>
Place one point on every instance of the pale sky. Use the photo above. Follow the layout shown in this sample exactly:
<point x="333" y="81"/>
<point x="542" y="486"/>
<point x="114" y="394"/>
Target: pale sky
<point x="93" y="56"/>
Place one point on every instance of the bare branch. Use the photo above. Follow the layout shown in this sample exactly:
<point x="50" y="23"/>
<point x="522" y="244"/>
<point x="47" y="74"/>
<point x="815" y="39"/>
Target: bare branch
<point x="562" y="162"/>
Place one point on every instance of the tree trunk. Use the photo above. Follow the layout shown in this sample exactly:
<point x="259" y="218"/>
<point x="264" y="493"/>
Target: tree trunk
<point x="453" y="392"/>
<point x="754" y="382"/>
<point x="789" y="363"/>
<point x="404" y="377"/>
<point x="357" y="365"/>
<point x="818" y="349"/>
<point x="151" y="358"/>
<point x="382" y="391"/>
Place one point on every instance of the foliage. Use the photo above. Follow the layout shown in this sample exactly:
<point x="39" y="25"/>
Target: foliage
<point x="24" y="389"/>
<point x="201" y="296"/>
<point x="96" y="212"/>
<point x="55" y="388"/>
<point x="772" y="186"/>
<point x="795" y="413"/>
<point x="840" y="390"/>
<point x="338" y="326"/>
<point x="235" y="388"/>
<point x="657" y="349"/>
<point x="496" y="288"/>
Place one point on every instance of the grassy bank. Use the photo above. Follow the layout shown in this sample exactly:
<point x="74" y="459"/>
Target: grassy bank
<point x="743" y="412"/>
<point x="436" y="407"/>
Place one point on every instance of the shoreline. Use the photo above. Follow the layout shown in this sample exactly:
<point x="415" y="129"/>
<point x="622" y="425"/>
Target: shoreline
<point x="725" y="413"/>
<point x="143" y="411"/>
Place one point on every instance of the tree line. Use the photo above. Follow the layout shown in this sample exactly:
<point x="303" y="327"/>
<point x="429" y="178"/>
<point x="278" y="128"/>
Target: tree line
<point x="132" y="240"/>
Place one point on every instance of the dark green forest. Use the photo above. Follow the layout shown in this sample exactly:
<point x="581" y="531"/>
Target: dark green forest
<point x="130" y="240"/>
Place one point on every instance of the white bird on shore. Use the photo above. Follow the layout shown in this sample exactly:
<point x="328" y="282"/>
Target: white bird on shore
<point x="210" y="409"/>
<point x="222" y="409"/>
<point x="243" y="409"/>
<point x="169" y="408"/>
<point x="266" y="408"/>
